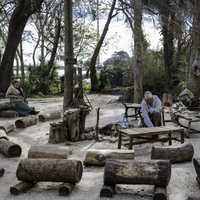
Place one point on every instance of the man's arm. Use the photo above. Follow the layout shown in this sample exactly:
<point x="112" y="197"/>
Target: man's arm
<point x="145" y="114"/>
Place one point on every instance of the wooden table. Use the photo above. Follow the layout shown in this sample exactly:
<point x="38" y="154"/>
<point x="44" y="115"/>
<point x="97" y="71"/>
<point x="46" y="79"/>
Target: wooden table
<point x="135" y="133"/>
<point x="190" y="118"/>
<point x="134" y="106"/>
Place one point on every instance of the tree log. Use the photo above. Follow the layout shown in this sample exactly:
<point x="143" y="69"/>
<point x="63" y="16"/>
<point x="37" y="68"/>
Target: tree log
<point x="8" y="127"/>
<point x="47" y="151"/>
<point x="6" y="106"/>
<point x="9" y="148"/>
<point x="107" y="191"/>
<point x="26" y="121"/>
<point x="160" y="193"/>
<point x="98" y="156"/>
<point x="137" y="172"/>
<point x="66" y="188"/>
<point x="193" y="198"/>
<point x="54" y="170"/>
<point x="21" y="187"/>
<point x="49" y="116"/>
<point x="178" y="153"/>
<point x="2" y="170"/>
<point x="196" y="163"/>
<point x="8" y="113"/>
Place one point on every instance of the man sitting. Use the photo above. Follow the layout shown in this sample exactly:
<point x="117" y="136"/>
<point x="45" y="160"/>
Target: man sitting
<point x="17" y="98"/>
<point x="151" y="110"/>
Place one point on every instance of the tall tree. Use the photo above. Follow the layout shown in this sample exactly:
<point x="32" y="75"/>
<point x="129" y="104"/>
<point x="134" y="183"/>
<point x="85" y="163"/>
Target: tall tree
<point x="138" y="51"/>
<point x="93" y="76"/>
<point x="23" y="10"/>
<point x="194" y="72"/>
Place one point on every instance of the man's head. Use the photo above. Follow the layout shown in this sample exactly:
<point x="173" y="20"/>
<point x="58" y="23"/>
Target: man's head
<point x="148" y="96"/>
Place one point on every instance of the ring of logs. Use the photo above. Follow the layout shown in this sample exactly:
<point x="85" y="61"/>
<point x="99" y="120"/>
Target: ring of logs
<point x="53" y="170"/>
<point x="179" y="153"/>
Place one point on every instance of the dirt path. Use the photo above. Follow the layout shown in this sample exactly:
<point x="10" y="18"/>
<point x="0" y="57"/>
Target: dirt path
<point x="182" y="182"/>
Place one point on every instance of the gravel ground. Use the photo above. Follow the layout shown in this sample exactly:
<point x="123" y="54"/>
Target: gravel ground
<point x="183" y="180"/>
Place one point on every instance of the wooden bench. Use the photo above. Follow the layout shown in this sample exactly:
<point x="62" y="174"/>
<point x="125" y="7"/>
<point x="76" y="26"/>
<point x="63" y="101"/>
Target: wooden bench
<point x="134" y="106"/>
<point x="148" y="134"/>
<point x="189" y="118"/>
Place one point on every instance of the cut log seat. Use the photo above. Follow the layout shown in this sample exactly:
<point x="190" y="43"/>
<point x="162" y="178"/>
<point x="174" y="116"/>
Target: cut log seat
<point x="156" y="173"/>
<point x="26" y="121"/>
<point x="53" y="170"/>
<point x="43" y="117"/>
<point x="21" y="187"/>
<point x="6" y="106"/>
<point x="9" y="148"/>
<point x="47" y="151"/>
<point x="179" y="153"/>
<point x="98" y="157"/>
<point x="8" y="113"/>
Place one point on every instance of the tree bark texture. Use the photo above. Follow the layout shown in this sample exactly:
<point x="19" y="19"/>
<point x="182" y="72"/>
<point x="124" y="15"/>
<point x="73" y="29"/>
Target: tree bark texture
<point x="47" y="151"/>
<point x="23" y="10"/>
<point x="9" y="149"/>
<point x="194" y="70"/>
<point x="137" y="172"/>
<point x="43" y="117"/>
<point x="53" y="170"/>
<point x="21" y="187"/>
<point x="98" y="157"/>
<point x="69" y="55"/>
<point x="138" y="52"/>
<point x="93" y="76"/>
<point x="176" y="154"/>
<point x="26" y="121"/>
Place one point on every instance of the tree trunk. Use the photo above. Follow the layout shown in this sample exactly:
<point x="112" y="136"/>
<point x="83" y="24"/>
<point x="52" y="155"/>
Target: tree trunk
<point x="18" y="20"/>
<point x="21" y="187"/>
<point x="98" y="157"/>
<point x="138" y="52"/>
<point x="53" y="170"/>
<point x="69" y="55"/>
<point x="93" y="76"/>
<point x="175" y="154"/>
<point x="137" y="172"/>
<point x="52" y="152"/>
<point x="21" y="56"/>
<point x="49" y="116"/>
<point x="9" y="149"/>
<point x="194" y="70"/>
<point x="26" y="121"/>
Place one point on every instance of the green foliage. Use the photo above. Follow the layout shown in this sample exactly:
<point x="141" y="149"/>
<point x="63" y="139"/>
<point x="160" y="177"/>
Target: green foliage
<point x="86" y="87"/>
<point x="40" y="81"/>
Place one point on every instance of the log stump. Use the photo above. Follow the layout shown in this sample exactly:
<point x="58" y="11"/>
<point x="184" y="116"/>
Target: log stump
<point x="66" y="188"/>
<point x="179" y="153"/>
<point x="8" y="113"/>
<point x="97" y="157"/>
<point x="49" y="116"/>
<point x="156" y="173"/>
<point x="2" y="170"/>
<point x="9" y="149"/>
<point x="58" y="133"/>
<point x="47" y="151"/>
<point x="71" y="121"/>
<point x="21" y="187"/>
<point x="26" y="121"/>
<point x="53" y="170"/>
